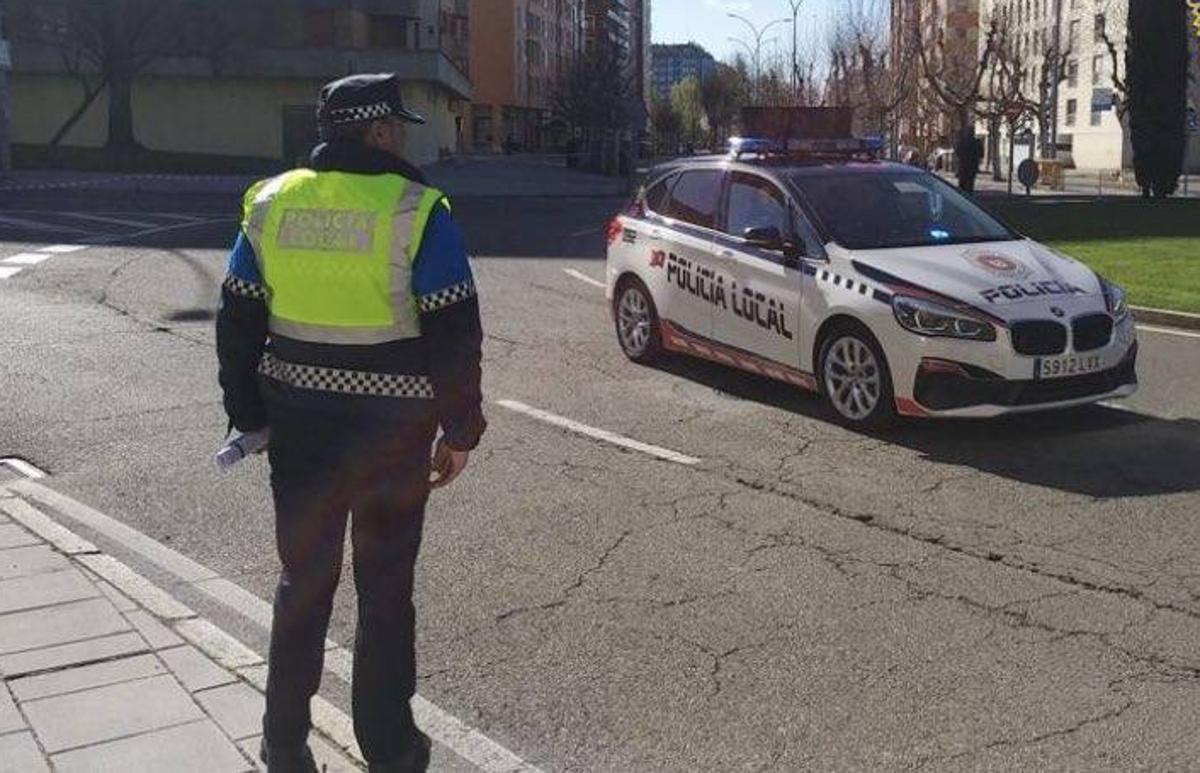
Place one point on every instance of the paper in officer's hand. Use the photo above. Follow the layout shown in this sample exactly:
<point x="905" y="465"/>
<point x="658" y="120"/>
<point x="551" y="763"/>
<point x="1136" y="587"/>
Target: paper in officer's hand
<point x="239" y="445"/>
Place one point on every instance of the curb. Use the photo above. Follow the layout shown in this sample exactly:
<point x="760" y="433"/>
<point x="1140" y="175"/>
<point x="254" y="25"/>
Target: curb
<point x="1165" y="318"/>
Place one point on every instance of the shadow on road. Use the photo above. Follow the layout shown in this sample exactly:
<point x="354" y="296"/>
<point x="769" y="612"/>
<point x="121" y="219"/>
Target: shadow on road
<point x="1093" y="450"/>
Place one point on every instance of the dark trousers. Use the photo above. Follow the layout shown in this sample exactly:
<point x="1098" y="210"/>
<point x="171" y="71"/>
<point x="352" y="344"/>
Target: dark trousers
<point x="324" y="466"/>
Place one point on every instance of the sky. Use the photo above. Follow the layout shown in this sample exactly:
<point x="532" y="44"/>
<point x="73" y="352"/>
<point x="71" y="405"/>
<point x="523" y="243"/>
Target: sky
<point x="705" y="22"/>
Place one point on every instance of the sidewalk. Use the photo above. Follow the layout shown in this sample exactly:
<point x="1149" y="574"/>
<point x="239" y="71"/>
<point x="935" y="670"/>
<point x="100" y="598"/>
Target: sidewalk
<point x="111" y="182"/>
<point x="94" y="681"/>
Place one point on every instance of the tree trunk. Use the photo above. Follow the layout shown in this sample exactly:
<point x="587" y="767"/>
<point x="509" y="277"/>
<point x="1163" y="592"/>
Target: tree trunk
<point x="119" y="72"/>
<point x="89" y="98"/>
<point x="120" y="114"/>
<point x="994" y="148"/>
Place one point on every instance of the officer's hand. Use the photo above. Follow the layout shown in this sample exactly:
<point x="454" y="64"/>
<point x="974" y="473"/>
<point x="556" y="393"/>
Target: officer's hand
<point x="448" y="464"/>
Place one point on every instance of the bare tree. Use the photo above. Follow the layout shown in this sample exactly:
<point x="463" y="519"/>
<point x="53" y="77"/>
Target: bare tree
<point x="953" y="69"/>
<point x="862" y="72"/>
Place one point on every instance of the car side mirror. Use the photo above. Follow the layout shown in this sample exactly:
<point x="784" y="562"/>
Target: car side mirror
<point x="764" y="237"/>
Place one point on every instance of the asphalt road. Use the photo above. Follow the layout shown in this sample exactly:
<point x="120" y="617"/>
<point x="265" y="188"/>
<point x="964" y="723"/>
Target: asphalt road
<point x="1016" y="594"/>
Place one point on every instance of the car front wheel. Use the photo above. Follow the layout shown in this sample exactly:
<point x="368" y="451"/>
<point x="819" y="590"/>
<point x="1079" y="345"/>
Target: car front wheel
<point x="855" y="379"/>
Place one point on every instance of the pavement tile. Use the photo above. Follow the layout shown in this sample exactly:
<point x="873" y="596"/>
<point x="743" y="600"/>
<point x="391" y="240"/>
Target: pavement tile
<point x="13" y="536"/>
<point x="19" y="754"/>
<point x="119" y="600"/>
<point x="196" y="671"/>
<point x="88" y="651"/>
<point x="237" y="708"/>
<point x="10" y="719"/>
<point x="28" y="561"/>
<point x="37" y="628"/>
<point x="106" y="713"/>
<point x="197" y="747"/>
<point x="86" y="677"/>
<point x="155" y="632"/>
<point x="328" y="759"/>
<point x="44" y="590"/>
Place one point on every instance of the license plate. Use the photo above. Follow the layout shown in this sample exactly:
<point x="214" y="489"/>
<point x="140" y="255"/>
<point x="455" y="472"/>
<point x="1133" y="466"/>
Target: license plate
<point x="1066" y="366"/>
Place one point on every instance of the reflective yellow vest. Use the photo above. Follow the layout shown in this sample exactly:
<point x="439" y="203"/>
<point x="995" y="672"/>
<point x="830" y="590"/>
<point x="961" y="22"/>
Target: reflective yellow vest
<point x="336" y="250"/>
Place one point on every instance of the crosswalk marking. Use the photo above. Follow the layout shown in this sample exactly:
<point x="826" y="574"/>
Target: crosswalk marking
<point x="27" y="258"/>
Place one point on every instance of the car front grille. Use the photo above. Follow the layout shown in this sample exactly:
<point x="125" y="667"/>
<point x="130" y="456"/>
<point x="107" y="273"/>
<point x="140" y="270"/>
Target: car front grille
<point x="1092" y="332"/>
<point x="1038" y="337"/>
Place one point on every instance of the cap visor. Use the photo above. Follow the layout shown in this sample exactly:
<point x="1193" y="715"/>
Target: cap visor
<point x="409" y="116"/>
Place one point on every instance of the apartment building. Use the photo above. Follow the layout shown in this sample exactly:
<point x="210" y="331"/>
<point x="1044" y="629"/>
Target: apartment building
<point x="520" y="51"/>
<point x="623" y="27"/>
<point x="676" y="62"/>
<point x="256" y="96"/>
<point x="1089" y="133"/>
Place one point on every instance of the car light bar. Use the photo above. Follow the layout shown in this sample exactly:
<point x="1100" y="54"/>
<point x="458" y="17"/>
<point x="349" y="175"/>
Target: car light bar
<point x="843" y="146"/>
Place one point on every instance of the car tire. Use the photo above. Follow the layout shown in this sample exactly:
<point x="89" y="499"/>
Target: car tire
<point x="636" y="321"/>
<point x="855" y="379"/>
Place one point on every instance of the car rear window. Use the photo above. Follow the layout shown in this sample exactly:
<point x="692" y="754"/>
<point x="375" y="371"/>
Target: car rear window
<point x="695" y="197"/>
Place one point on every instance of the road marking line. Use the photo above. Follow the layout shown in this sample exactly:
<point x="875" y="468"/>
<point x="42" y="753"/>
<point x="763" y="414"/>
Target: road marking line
<point x="63" y="249"/>
<point x="23" y="467"/>
<point x="27" y="259"/>
<point x="36" y="225"/>
<point x="587" y="231"/>
<point x="584" y="277"/>
<point x="109" y="219"/>
<point x="7" y="272"/>
<point x="444" y="728"/>
<point x="1168" y="331"/>
<point x="665" y="454"/>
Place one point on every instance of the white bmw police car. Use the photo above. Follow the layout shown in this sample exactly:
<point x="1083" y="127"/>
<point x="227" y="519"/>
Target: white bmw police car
<point x="876" y="284"/>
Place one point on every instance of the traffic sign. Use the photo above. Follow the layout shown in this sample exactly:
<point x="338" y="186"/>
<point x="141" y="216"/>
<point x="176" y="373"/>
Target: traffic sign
<point x="1027" y="173"/>
<point x="1193" y="121"/>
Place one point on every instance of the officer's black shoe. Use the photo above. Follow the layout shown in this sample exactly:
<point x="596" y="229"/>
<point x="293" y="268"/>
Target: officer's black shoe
<point x="281" y="760"/>
<point x="415" y="760"/>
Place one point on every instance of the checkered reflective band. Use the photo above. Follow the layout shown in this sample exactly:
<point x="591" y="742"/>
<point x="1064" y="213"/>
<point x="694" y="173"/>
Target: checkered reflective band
<point x="360" y="113"/>
<point x="245" y="289"/>
<point x="447" y="296"/>
<point x="350" y="382"/>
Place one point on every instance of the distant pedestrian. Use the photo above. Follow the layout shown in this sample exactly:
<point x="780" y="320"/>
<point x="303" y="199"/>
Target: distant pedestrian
<point x="969" y="152"/>
<point x="349" y="327"/>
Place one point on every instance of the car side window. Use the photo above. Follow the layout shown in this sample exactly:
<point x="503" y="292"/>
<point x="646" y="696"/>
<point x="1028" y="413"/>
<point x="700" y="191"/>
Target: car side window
<point x="656" y="195"/>
<point x="695" y="197"/>
<point x="755" y="202"/>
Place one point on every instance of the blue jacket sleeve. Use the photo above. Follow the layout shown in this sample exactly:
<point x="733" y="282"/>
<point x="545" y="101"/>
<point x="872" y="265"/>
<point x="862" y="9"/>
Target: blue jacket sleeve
<point x="241" y="337"/>
<point x="450" y="325"/>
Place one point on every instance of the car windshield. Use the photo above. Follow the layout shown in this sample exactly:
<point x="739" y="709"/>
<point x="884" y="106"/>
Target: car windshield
<point x="863" y="211"/>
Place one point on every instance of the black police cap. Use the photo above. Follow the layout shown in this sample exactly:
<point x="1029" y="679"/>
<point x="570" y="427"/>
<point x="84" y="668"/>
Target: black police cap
<point x="360" y="98"/>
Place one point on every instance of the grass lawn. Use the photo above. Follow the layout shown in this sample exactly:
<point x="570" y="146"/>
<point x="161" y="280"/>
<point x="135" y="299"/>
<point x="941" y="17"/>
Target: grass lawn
<point x="1151" y="248"/>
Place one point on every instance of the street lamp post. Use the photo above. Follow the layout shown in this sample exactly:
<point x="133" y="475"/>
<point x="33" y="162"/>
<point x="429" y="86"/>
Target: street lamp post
<point x="758" y="36"/>
<point x="795" y="56"/>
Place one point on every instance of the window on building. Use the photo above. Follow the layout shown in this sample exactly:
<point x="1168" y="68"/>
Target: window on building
<point x="1072" y="109"/>
<point x="1073" y="73"/>
<point x="1073" y="37"/>
<point x="1097" y="69"/>
<point x="1098" y="28"/>
<point x="319" y="28"/>
<point x="392" y="31"/>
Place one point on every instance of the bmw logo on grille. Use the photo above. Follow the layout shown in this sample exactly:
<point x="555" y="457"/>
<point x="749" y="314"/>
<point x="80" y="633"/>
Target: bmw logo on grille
<point x="1057" y="311"/>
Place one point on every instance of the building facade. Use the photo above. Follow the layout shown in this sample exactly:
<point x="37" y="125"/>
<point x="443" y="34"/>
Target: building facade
<point x="677" y="62"/>
<point x="622" y="27"/>
<point x="1090" y="133"/>
<point x="256" y="97"/>
<point x="520" y="52"/>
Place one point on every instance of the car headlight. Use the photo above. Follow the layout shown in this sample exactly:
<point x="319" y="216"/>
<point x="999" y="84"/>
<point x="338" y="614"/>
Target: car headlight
<point x="932" y="319"/>
<point x="1114" y="300"/>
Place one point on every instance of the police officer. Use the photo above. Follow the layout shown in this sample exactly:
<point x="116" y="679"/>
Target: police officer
<point x="349" y="327"/>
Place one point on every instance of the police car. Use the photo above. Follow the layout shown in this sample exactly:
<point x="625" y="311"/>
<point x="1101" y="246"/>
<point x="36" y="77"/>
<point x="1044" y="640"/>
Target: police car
<point x="875" y="284"/>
